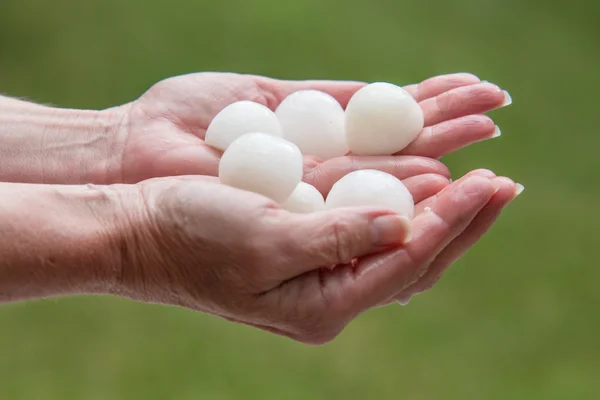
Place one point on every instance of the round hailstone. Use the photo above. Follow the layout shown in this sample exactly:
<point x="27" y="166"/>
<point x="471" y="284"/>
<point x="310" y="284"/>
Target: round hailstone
<point x="264" y="164"/>
<point x="314" y="121"/>
<point x="304" y="199"/>
<point x="374" y="188"/>
<point x="240" y="118"/>
<point x="382" y="119"/>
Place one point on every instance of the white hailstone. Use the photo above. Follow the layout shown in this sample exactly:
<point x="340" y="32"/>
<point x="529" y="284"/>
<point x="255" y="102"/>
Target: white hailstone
<point x="374" y="188"/>
<point x="314" y="121"/>
<point x="264" y="164"/>
<point x="304" y="199"/>
<point x="382" y="119"/>
<point x="240" y="118"/>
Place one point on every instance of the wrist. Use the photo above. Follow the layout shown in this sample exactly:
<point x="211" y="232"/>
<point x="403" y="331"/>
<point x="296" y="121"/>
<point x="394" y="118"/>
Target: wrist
<point x="41" y="144"/>
<point x="60" y="240"/>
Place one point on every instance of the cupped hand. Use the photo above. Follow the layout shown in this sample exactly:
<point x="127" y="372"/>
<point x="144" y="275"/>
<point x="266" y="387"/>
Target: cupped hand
<point x="196" y="243"/>
<point x="162" y="132"/>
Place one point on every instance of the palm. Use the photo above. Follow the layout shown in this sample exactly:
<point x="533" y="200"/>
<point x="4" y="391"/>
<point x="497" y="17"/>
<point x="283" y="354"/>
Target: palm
<point x="166" y="126"/>
<point x="168" y="123"/>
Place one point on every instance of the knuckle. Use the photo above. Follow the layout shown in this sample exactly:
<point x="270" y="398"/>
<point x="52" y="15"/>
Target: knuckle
<point x="268" y="92"/>
<point x="444" y="102"/>
<point x="340" y="241"/>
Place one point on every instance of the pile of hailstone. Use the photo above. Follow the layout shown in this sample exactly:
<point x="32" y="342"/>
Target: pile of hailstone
<point x="263" y="149"/>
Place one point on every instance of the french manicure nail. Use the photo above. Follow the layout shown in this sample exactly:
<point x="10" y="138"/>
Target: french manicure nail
<point x="507" y="99"/>
<point x="392" y="229"/>
<point x="497" y="132"/>
<point x="404" y="301"/>
<point x="519" y="189"/>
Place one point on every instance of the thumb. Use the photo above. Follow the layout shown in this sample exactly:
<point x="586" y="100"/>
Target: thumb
<point x="341" y="235"/>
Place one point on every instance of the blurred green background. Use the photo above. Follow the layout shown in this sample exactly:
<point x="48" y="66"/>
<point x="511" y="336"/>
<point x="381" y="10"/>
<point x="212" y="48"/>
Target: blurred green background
<point x="516" y="318"/>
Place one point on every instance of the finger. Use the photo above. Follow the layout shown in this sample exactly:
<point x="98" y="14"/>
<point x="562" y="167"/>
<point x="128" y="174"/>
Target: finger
<point x="344" y="223"/>
<point x="462" y="101"/>
<point x="312" y="241"/>
<point x="277" y="90"/>
<point x="429" y="201"/>
<point x="324" y="175"/>
<point x="378" y="277"/>
<point x="425" y="186"/>
<point x="439" y="84"/>
<point x="446" y="137"/>
<point x="507" y="191"/>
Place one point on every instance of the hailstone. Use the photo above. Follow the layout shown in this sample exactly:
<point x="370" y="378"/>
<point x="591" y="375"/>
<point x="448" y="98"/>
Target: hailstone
<point x="304" y="199"/>
<point x="314" y="121"/>
<point x="240" y="118"/>
<point x="374" y="188"/>
<point x="262" y="163"/>
<point x="382" y="119"/>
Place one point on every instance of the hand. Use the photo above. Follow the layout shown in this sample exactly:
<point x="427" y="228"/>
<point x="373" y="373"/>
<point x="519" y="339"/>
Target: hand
<point x="163" y="131"/>
<point x="196" y="243"/>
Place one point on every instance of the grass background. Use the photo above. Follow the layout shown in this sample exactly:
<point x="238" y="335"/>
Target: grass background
<point x="516" y="318"/>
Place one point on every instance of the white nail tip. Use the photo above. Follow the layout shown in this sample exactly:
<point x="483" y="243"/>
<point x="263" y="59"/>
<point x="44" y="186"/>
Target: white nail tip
<point x="519" y="189"/>
<point x="507" y="99"/>
<point x="497" y="132"/>
<point x="404" y="302"/>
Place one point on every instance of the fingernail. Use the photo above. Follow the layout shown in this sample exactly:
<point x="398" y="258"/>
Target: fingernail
<point x="497" y="132"/>
<point x="404" y="301"/>
<point x="507" y="99"/>
<point x="485" y="81"/>
<point x="392" y="229"/>
<point x="519" y="189"/>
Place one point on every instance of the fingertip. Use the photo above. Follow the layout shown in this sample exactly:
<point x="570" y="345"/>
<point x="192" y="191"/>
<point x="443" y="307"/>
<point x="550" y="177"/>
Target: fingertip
<point x="519" y="189"/>
<point x="403" y="301"/>
<point x="507" y="99"/>
<point x="426" y="165"/>
<point x="509" y="188"/>
<point x="486" y="173"/>
<point x="439" y="180"/>
<point x="440" y="168"/>
<point x="497" y="132"/>
<point x="408" y="232"/>
<point x="484" y="123"/>
<point x="407" y="228"/>
<point x="477" y="180"/>
<point x="502" y="182"/>
<point x="502" y="97"/>
<point x="424" y="186"/>
<point x="391" y="230"/>
<point x="476" y="186"/>
<point x="469" y="77"/>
